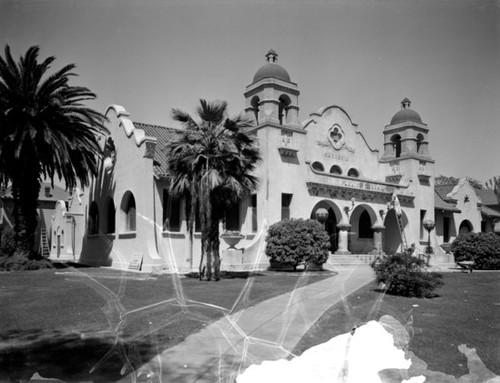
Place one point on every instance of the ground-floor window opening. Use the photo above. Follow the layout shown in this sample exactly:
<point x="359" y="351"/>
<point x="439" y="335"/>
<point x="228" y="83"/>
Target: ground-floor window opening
<point x="286" y="201"/>
<point x="110" y="217"/>
<point x="446" y="229"/>
<point x="93" y="223"/>
<point x="253" y="207"/>
<point x="422" y="228"/>
<point x="233" y="217"/>
<point x="171" y="212"/>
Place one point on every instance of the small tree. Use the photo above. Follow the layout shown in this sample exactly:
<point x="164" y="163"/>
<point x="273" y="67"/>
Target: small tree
<point x="211" y="162"/>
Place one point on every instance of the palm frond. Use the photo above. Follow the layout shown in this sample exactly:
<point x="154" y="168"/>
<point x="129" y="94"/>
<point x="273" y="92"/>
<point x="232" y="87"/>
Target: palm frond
<point x="213" y="112"/>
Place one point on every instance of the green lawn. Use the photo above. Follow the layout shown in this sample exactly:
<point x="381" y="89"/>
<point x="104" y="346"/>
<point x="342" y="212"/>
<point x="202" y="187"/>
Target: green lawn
<point x="467" y="311"/>
<point x="44" y="314"/>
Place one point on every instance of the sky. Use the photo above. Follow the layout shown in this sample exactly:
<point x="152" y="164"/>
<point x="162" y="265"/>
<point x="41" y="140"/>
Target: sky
<point x="364" y="55"/>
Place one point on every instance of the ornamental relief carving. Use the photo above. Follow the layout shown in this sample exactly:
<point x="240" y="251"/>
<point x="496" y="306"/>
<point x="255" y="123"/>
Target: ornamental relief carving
<point x="286" y="139"/>
<point x="336" y="137"/>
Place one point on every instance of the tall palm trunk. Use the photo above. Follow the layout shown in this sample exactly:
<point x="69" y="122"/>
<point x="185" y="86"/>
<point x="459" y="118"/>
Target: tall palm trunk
<point x="205" y="221"/>
<point x="214" y="240"/>
<point x="26" y="189"/>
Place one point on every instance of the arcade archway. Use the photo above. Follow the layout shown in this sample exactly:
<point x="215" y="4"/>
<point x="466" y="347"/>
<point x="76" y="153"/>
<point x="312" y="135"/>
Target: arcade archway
<point x="465" y="227"/>
<point x="362" y="218"/>
<point x="334" y="217"/>
<point x="392" y="236"/>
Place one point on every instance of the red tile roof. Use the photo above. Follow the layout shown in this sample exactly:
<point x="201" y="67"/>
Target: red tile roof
<point x="441" y="204"/>
<point x="444" y="190"/>
<point x="489" y="212"/>
<point x="163" y="136"/>
<point x="487" y="196"/>
<point x="54" y="194"/>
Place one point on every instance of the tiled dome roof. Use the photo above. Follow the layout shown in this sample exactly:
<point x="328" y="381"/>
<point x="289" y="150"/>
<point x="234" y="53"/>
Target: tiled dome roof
<point x="271" y="69"/>
<point x="406" y="114"/>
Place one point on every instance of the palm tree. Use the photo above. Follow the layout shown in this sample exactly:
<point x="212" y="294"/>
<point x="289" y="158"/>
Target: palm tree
<point x="45" y="131"/>
<point x="211" y="163"/>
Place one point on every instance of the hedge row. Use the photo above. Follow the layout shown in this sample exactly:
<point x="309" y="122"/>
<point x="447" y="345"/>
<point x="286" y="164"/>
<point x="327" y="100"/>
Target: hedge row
<point x="481" y="248"/>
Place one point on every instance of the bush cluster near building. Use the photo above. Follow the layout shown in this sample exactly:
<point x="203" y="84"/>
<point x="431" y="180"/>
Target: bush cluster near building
<point x="10" y="262"/>
<point x="481" y="248"/>
<point x="295" y="241"/>
<point x="405" y="275"/>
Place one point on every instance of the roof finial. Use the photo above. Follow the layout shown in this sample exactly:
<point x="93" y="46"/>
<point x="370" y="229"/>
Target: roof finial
<point x="405" y="104"/>
<point x="271" y="56"/>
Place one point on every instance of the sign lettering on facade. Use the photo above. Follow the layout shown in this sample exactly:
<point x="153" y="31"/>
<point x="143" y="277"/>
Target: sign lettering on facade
<point x="353" y="184"/>
<point x="336" y="156"/>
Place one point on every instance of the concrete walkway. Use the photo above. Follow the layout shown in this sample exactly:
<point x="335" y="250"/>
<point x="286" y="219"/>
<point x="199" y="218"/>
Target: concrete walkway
<point x="266" y="331"/>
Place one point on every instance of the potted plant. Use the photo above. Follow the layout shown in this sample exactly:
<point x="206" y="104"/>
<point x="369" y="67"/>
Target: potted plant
<point x="232" y="238"/>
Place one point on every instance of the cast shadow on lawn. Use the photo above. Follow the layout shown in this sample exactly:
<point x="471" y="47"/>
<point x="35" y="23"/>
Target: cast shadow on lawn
<point x="228" y="274"/>
<point x="73" y="357"/>
<point x="385" y="291"/>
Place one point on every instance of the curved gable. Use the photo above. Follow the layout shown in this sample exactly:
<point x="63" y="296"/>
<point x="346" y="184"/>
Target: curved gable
<point x="122" y="117"/>
<point x="334" y="140"/>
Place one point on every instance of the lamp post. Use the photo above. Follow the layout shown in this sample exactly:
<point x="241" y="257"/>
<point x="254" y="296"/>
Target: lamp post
<point x="322" y="215"/>
<point x="429" y="225"/>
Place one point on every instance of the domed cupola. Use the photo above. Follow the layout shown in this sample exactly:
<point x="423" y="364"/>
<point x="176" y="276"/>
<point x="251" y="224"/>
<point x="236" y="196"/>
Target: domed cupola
<point x="406" y="135"/>
<point x="406" y="114"/>
<point x="271" y="69"/>
<point x="272" y="99"/>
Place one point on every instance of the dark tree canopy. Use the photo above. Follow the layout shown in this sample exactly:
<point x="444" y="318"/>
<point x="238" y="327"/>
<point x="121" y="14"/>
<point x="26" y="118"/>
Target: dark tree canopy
<point x="46" y="131"/>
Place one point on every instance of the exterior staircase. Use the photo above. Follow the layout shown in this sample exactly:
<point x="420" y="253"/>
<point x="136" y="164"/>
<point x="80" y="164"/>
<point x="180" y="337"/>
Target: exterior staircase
<point x="350" y="260"/>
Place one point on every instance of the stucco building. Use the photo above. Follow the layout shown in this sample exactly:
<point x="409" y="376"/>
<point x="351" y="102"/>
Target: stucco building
<point x="322" y="164"/>
<point x="49" y="197"/>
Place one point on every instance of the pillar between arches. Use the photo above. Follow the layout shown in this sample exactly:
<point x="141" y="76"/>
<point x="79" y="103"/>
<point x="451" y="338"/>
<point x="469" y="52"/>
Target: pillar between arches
<point x="377" y="238"/>
<point x="343" y="238"/>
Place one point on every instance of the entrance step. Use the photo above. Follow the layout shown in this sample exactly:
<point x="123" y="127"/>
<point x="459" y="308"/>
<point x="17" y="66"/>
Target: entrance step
<point x="350" y="259"/>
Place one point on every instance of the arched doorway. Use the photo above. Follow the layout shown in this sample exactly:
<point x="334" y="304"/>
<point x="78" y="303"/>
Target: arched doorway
<point x="334" y="217"/>
<point x="392" y="236"/>
<point x="465" y="227"/>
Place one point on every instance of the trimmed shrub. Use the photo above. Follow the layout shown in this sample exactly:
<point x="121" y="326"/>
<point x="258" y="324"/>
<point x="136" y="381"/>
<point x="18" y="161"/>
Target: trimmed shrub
<point x="294" y="241"/>
<point x="482" y="248"/>
<point x="11" y="262"/>
<point x="404" y="274"/>
<point x="8" y="244"/>
<point x="15" y="263"/>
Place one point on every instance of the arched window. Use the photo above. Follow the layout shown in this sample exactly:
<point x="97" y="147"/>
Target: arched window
<point x="420" y="138"/>
<point x="128" y="212"/>
<point x="365" y="225"/>
<point x="283" y="108"/>
<point x="93" y="223"/>
<point x="396" y="144"/>
<point x="318" y="166"/>
<point x="335" y="169"/>
<point x="110" y="216"/>
<point x="353" y="173"/>
<point x="255" y="105"/>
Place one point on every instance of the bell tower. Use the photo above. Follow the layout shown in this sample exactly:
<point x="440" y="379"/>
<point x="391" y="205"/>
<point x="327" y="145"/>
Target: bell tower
<point x="272" y="98"/>
<point x="406" y="136"/>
